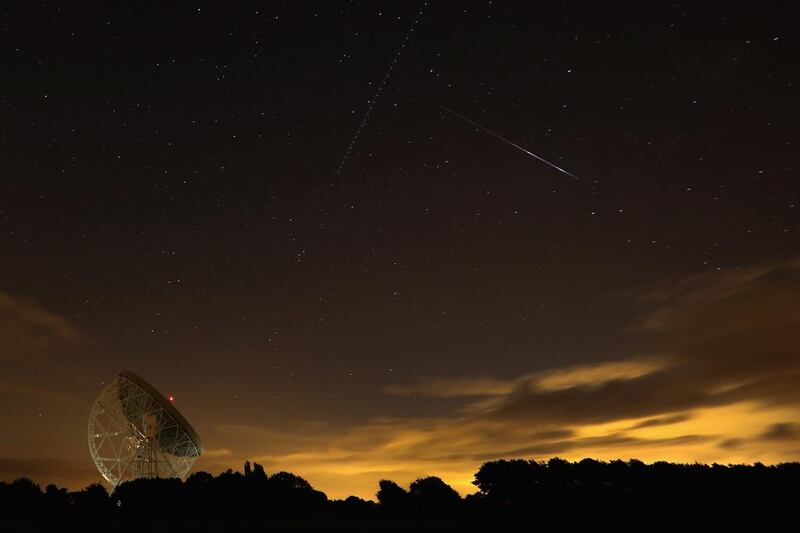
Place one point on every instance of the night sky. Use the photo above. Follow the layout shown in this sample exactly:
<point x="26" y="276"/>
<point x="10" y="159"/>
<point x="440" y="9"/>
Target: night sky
<point x="170" y="204"/>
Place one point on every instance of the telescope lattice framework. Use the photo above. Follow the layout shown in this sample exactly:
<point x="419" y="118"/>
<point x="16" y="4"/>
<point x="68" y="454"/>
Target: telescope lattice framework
<point x="135" y="432"/>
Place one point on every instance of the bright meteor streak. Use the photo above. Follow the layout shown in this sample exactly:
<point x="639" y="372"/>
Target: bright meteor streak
<point x="515" y="145"/>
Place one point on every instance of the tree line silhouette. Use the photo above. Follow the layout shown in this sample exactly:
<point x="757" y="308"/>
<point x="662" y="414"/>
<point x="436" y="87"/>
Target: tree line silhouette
<point x="554" y="495"/>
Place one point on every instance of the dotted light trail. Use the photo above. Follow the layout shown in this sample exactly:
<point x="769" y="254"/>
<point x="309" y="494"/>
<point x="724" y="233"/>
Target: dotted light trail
<point x="381" y="85"/>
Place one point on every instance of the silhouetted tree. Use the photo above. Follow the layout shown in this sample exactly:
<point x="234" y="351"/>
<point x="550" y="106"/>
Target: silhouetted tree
<point x="199" y="490"/>
<point x="392" y="497"/>
<point x="291" y="493"/>
<point x="589" y="495"/>
<point x="517" y="484"/>
<point x="93" y="500"/>
<point x="353" y="506"/>
<point x="150" y="496"/>
<point x="257" y="493"/>
<point x="431" y="494"/>
<point x="199" y="479"/>
<point x="22" y="496"/>
<point x="258" y="472"/>
<point x="56" y="500"/>
<point x="288" y="481"/>
<point x="229" y="489"/>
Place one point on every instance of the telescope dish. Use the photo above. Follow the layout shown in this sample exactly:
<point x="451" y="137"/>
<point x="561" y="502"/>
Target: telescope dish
<point x="135" y="432"/>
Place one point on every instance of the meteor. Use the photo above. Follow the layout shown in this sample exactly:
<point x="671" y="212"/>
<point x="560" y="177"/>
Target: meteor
<point x="515" y="145"/>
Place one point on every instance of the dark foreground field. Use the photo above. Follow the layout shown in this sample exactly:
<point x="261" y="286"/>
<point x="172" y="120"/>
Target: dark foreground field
<point x="663" y="520"/>
<point x="513" y="496"/>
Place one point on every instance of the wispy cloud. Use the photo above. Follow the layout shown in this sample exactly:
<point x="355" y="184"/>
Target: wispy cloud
<point x="784" y="431"/>
<point x="25" y="326"/>
<point x="549" y="380"/>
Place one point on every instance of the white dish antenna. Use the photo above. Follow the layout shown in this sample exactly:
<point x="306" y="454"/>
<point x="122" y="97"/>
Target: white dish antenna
<point x="135" y="432"/>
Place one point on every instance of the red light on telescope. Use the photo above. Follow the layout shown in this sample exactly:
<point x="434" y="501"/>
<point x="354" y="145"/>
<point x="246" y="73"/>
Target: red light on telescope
<point x="171" y="398"/>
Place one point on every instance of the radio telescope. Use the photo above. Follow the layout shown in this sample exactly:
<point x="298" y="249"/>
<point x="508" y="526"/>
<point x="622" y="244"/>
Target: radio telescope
<point x="135" y="432"/>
